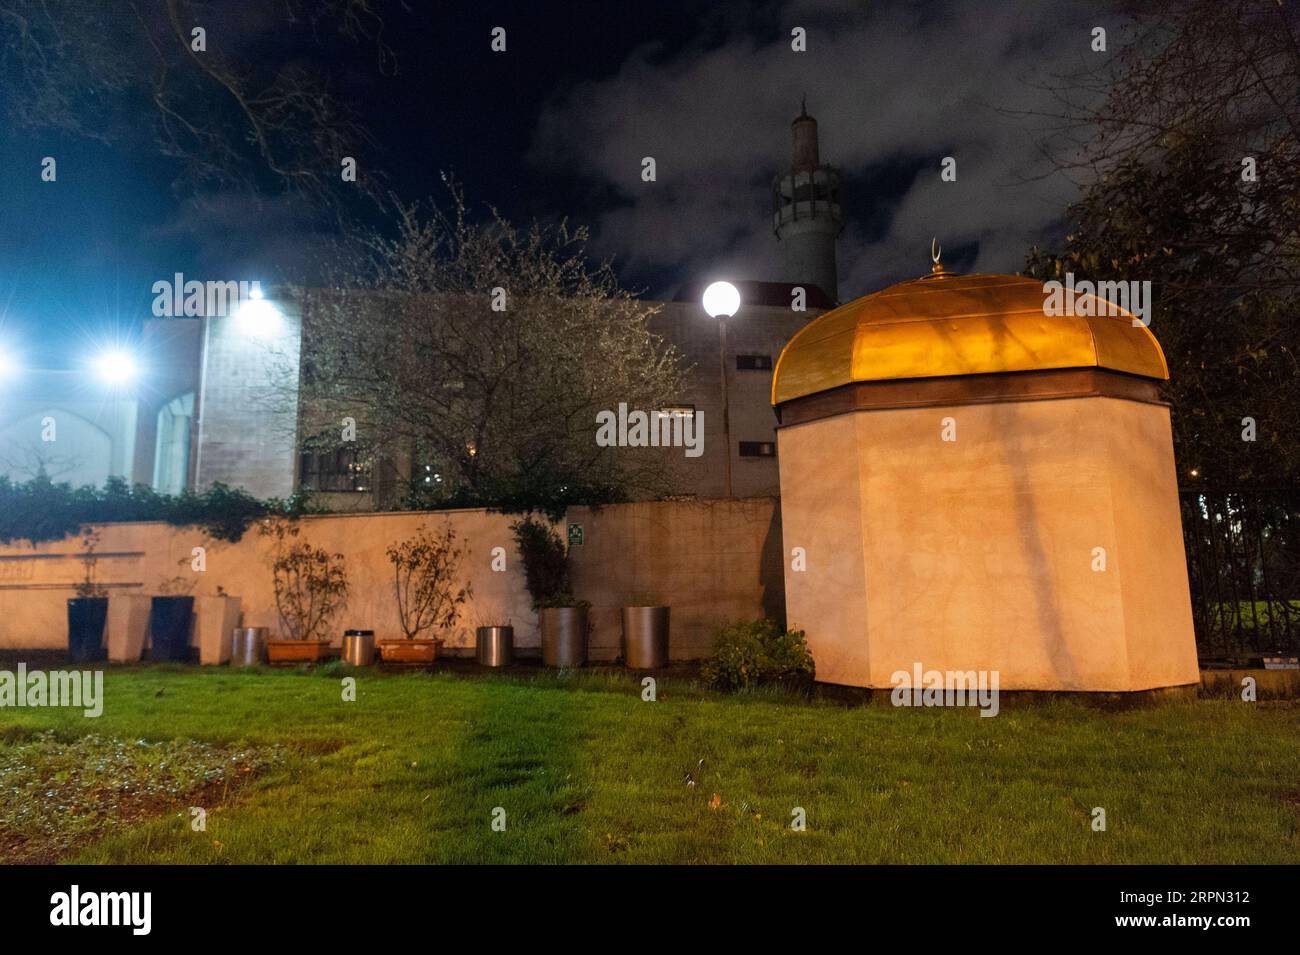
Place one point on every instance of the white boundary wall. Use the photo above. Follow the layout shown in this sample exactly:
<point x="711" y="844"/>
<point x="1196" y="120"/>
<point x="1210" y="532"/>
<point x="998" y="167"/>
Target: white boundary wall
<point x="713" y="562"/>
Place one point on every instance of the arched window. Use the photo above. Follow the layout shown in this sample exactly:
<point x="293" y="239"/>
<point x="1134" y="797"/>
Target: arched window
<point x="56" y="442"/>
<point x="171" y="461"/>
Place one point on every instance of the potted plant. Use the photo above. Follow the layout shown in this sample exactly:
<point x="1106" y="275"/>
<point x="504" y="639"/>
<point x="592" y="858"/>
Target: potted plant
<point x="171" y="620"/>
<point x="87" y="611"/>
<point x="562" y="618"/>
<point x="311" y="586"/>
<point x="424" y="576"/>
<point x="645" y="633"/>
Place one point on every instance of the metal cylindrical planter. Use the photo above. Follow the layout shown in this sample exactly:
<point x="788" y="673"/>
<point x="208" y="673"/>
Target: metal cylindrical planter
<point x="248" y="646"/>
<point x="495" y="646"/>
<point x="359" y="647"/>
<point x="564" y="636"/>
<point x="86" y="617"/>
<point x="645" y="637"/>
<point x="170" y="621"/>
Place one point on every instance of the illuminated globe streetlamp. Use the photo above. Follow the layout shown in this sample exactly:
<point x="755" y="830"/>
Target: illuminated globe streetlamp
<point x="721" y="301"/>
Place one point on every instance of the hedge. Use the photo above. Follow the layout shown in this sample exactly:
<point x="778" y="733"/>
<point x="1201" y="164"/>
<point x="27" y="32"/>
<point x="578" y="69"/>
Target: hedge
<point x="40" y="510"/>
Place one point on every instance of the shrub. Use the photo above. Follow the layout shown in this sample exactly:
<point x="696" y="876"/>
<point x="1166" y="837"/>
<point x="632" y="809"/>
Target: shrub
<point x="311" y="584"/>
<point x="226" y="512"/>
<point x="40" y="510"/>
<point x="535" y="492"/>
<point x="756" y="654"/>
<point x="88" y="587"/>
<point x="424" y="569"/>
<point x="563" y="600"/>
<point x="546" y="563"/>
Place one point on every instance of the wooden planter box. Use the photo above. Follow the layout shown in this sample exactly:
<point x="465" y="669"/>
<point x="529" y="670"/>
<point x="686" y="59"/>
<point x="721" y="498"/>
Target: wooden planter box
<point x="296" y="651"/>
<point x="417" y="652"/>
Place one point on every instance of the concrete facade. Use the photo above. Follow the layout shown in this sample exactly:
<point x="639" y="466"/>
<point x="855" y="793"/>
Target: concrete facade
<point x="755" y="332"/>
<point x="247" y="411"/>
<point x="713" y="562"/>
<point x="246" y="437"/>
<point x="216" y="401"/>
<point x="988" y="562"/>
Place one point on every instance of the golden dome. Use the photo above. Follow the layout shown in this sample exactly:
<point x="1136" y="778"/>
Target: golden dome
<point x="944" y="324"/>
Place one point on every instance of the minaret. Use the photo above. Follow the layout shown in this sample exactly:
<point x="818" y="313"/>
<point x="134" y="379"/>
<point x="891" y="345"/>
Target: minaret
<point x="806" y="211"/>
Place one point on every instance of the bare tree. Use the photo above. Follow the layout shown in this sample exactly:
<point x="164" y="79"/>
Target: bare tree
<point x="33" y="459"/>
<point x="1226" y="67"/>
<point x="1189" y="132"/>
<point x="1221" y="77"/>
<point x="232" y="114"/>
<point x="480" y="353"/>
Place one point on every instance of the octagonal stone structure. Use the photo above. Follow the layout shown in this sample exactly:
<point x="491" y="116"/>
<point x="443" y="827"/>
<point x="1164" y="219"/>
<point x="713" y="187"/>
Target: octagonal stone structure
<point x="968" y="483"/>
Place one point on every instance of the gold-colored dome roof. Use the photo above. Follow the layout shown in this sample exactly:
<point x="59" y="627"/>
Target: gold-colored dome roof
<point x="945" y="324"/>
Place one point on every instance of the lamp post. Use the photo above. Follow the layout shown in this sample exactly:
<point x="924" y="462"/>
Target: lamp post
<point x="721" y="301"/>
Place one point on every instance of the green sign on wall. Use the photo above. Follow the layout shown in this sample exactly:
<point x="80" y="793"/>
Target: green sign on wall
<point x="575" y="535"/>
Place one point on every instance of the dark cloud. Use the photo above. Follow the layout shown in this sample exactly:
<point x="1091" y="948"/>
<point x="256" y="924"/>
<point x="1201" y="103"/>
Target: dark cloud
<point x="558" y="127"/>
<point x="240" y="236"/>
<point x="898" y="85"/>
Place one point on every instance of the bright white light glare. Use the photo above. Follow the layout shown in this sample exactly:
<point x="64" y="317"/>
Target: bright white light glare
<point x="721" y="298"/>
<point x="116" y="367"/>
<point x="8" y="367"/>
<point x="258" y="318"/>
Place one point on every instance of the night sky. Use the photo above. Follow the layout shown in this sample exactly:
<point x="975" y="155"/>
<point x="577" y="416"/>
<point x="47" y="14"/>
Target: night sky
<point x="557" y="125"/>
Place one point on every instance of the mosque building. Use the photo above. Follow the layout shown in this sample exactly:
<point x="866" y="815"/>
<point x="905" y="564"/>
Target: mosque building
<point x="968" y="482"/>
<point x="204" y="410"/>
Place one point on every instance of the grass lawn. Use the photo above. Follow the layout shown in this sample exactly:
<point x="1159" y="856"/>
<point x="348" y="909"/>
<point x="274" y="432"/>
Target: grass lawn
<point x="588" y="772"/>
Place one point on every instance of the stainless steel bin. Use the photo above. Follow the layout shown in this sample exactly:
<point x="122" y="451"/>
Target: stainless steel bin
<point x="359" y="647"/>
<point x="645" y="637"/>
<point x="564" y="636"/>
<point x="248" y="646"/>
<point x="495" y="645"/>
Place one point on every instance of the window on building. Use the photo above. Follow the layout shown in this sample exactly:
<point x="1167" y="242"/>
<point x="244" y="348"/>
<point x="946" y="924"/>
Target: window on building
<point x="339" y="469"/>
<point x="171" y="460"/>
<point x="679" y="411"/>
<point x="753" y="362"/>
<point x="758" y="449"/>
